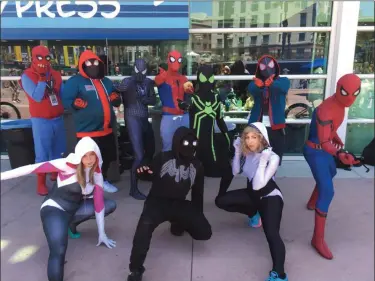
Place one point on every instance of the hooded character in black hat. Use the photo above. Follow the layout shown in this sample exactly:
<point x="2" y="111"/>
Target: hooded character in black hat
<point x="205" y="109"/>
<point x="174" y="173"/>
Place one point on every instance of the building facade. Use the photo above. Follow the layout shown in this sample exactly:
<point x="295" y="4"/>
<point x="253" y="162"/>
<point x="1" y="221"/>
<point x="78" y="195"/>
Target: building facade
<point x="315" y="43"/>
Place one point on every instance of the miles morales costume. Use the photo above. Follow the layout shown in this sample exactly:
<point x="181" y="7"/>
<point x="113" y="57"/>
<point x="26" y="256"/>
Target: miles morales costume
<point x="205" y="109"/>
<point x="172" y="86"/>
<point x="43" y="87"/>
<point x="89" y="96"/>
<point x="137" y="93"/>
<point x="174" y="173"/>
<point x="322" y="146"/>
<point x="269" y="91"/>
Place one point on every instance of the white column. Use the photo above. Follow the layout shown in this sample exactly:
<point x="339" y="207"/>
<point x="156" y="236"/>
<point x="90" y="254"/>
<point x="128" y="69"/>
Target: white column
<point x="342" y="48"/>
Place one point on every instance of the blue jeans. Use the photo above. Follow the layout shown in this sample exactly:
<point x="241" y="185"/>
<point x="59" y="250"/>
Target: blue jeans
<point x="49" y="138"/>
<point x="141" y="137"/>
<point x="168" y="126"/>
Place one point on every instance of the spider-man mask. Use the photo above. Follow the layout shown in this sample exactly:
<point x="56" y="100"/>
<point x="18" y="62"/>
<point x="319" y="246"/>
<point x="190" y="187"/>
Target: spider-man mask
<point x="267" y="66"/>
<point x="140" y="70"/>
<point x="347" y="89"/>
<point x="41" y="59"/>
<point x="188" y="146"/>
<point x="174" y="61"/>
<point x="206" y="79"/>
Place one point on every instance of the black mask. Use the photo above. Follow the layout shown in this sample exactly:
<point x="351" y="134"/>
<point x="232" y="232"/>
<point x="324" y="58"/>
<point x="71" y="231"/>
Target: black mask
<point x="206" y="81"/>
<point x="94" y="69"/>
<point x="188" y="147"/>
<point x="140" y="70"/>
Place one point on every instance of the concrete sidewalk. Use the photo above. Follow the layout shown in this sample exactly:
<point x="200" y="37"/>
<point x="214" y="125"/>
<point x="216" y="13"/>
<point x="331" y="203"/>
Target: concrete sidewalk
<point x="234" y="253"/>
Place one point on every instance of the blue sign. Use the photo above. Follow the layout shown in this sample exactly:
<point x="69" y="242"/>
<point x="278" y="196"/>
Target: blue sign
<point x="93" y="20"/>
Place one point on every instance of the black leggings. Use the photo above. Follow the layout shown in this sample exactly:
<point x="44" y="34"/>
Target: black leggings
<point x="270" y="209"/>
<point x="55" y="225"/>
<point x="156" y="211"/>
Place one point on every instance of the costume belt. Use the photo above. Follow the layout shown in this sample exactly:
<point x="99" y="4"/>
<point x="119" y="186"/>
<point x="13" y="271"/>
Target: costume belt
<point x="313" y="145"/>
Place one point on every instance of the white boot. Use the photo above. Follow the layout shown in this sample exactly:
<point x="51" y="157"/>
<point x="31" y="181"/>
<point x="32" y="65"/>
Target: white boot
<point x="109" y="187"/>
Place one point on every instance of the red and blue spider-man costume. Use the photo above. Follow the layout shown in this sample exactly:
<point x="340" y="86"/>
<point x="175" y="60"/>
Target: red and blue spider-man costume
<point x="320" y="149"/>
<point x="172" y="87"/>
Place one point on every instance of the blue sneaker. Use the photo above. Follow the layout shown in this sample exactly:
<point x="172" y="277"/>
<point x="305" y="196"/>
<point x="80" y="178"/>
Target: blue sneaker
<point x="255" y="221"/>
<point x="275" y="277"/>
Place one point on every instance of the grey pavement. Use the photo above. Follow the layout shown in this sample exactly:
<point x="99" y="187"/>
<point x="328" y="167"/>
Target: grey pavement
<point x="234" y="253"/>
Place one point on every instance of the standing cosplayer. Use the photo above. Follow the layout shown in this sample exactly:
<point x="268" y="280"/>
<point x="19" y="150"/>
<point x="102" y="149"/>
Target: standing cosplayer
<point x="77" y="197"/>
<point x="137" y="93"/>
<point x="204" y="110"/>
<point x="172" y="86"/>
<point x="89" y="96"/>
<point x="322" y="146"/>
<point x="43" y="87"/>
<point x="269" y="91"/>
<point x="174" y="173"/>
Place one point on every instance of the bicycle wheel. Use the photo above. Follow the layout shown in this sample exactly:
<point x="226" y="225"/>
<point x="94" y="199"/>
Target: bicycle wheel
<point x="9" y="111"/>
<point x="298" y="111"/>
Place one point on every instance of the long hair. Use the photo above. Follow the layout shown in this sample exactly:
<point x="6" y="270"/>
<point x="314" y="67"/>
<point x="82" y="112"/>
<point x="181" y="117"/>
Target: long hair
<point x="81" y="176"/>
<point x="263" y="142"/>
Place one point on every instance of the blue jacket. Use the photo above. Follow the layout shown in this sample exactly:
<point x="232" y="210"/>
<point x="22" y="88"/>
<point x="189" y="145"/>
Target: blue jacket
<point x="98" y="117"/>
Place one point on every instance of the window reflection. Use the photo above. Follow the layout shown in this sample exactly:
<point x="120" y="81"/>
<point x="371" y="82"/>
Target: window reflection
<point x="242" y="13"/>
<point x="358" y="136"/>
<point x="297" y="53"/>
<point x="363" y="106"/>
<point x="364" y="53"/>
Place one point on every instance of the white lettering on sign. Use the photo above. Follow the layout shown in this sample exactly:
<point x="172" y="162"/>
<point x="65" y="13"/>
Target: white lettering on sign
<point x="157" y="3"/>
<point x="45" y="8"/>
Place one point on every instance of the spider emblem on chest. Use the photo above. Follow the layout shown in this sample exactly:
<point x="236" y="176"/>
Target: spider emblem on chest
<point x="204" y="109"/>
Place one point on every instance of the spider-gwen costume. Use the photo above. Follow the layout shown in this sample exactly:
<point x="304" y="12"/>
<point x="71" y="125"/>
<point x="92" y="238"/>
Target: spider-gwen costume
<point x="174" y="174"/>
<point x="137" y="93"/>
<point x="43" y="87"/>
<point x="90" y="97"/>
<point x="322" y="146"/>
<point x="171" y="88"/>
<point x="269" y="91"/>
<point x="69" y="203"/>
<point x="205" y="109"/>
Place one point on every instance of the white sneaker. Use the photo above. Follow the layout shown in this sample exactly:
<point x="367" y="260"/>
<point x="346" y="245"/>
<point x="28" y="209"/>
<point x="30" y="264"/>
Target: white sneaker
<point x="109" y="187"/>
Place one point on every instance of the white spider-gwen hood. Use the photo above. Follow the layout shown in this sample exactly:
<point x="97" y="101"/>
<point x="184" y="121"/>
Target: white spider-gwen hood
<point x="262" y="129"/>
<point x="86" y="144"/>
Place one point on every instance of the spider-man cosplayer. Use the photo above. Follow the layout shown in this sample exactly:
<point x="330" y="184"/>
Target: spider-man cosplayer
<point x="90" y="97"/>
<point x="269" y="91"/>
<point x="205" y="109"/>
<point x="137" y="93"/>
<point x="43" y="87"/>
<point x="172" y="86"/>
<point x="322" y="146"/>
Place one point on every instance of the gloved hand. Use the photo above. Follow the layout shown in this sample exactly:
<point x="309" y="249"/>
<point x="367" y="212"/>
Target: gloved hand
<point x="108" y="242"/>
<point x="346" y="158"/>
<point x="79" y="103"/>
<point x="337" y="142"/>
<point x="162" y="76"/>
<point x="188" y="87"/>
<point x="183" y="105"/>
<point x="269" y="81"/>
<point x="265" y="156"/>
<point x="237" y="145"/>
<point x="259" y="83"/>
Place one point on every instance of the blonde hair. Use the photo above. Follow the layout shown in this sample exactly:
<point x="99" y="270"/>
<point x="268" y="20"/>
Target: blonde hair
<point x="262" y="141"/>
<point x="81" y="176"/>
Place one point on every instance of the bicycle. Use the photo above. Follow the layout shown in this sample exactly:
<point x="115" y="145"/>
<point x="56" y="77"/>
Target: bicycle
<point x="6" y="108"/>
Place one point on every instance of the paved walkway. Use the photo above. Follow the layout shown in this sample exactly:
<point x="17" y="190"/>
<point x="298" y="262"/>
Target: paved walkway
<point x="234" y="253"/>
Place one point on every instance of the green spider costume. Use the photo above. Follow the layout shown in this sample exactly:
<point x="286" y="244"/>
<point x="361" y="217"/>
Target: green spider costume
<point x="204" y="110"/>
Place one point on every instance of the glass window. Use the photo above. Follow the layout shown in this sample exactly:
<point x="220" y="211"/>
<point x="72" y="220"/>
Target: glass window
<point x="358" y="136"/>
<point x="282" y="13"/>
<point x="364" y="53"/>
<point x="363" y="106"/>
<point x="366" y="13"/>
<point x="292" y="57"/>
